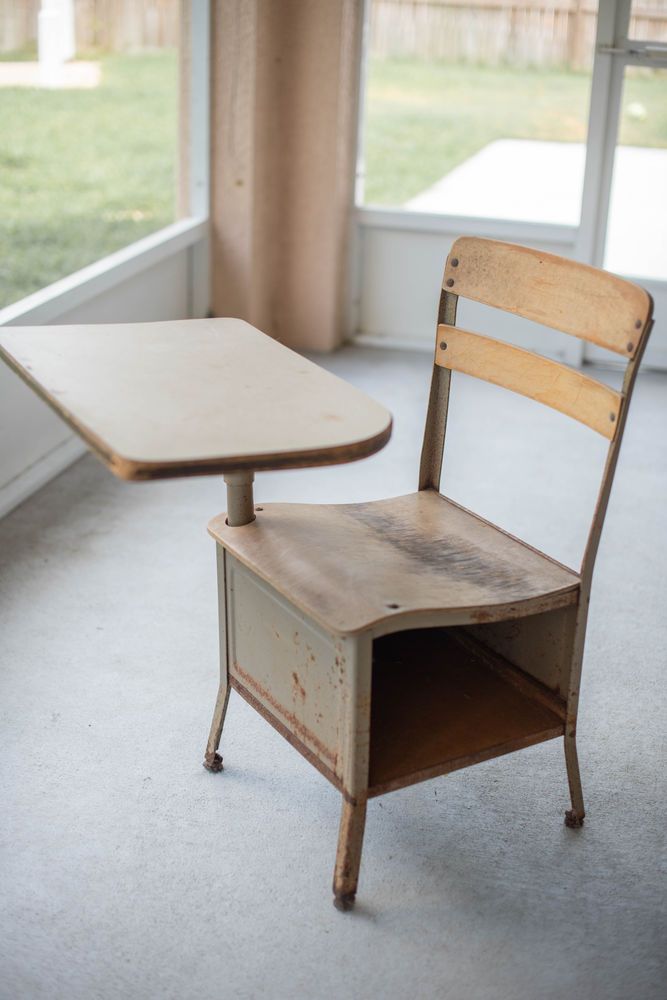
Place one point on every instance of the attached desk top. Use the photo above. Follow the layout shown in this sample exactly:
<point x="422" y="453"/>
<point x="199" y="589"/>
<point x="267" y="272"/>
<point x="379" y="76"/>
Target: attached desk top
<point x="194" y="397"/>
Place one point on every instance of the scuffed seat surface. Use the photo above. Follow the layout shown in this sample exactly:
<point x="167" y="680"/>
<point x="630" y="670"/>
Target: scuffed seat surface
<point x="353" y="566"/>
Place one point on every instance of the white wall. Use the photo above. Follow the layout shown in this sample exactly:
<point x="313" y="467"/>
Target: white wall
<point x="399" y="266"/>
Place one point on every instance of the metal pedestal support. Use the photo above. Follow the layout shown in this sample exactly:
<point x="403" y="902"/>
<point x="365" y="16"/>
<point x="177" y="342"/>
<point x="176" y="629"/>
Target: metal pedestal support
<point x="240" y="510"/>
<point x="240" y="503"/>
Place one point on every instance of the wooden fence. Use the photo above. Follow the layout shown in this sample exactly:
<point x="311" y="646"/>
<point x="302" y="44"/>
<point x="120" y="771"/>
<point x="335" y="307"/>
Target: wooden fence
<point x="488" y="32"/>
<point x="493" y="32"/>
<point x="110" y="25"/>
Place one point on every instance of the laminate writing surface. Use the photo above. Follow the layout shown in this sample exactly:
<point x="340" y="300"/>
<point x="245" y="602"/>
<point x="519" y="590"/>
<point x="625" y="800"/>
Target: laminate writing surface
<point x="194" y="397"/>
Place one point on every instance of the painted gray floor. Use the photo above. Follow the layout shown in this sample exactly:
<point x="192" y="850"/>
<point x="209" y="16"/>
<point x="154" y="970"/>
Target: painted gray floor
<point x="129" y="871"/>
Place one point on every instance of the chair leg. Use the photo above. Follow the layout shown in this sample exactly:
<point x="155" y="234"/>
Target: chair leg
<point x="348" y="856"/>
<point x="574" y="817"/>
<point x="212" y="760"/>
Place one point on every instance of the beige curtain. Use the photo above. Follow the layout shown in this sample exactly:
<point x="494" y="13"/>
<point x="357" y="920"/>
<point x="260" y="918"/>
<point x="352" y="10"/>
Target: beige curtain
<point x="285" y="86"/>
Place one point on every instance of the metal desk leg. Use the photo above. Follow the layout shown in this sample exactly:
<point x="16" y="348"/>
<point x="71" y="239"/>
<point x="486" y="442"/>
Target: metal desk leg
<point x="240" y="510"/>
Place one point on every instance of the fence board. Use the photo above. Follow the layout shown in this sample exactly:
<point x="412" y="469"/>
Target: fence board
<point x="494" y="32"/>
<point x="110" y="25"/>
<point x="487" y="32"/>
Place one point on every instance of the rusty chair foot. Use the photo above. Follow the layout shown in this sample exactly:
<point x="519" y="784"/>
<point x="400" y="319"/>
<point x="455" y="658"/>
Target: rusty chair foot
<point x="573" y="819"/>
<point x="345" y="901"/>
<point x="212" y="762"/>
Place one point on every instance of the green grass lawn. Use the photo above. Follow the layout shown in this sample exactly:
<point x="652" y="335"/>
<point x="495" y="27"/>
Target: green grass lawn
<point x="424" y="118"/>
<point x="85" y="172"/>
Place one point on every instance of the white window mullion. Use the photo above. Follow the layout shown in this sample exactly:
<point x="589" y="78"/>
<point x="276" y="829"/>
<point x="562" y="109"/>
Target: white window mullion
<point x="199" y="193"/>
<point x="606" y="92"/>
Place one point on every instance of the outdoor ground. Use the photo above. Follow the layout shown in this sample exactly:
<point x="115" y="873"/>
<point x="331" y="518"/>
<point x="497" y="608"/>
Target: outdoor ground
<point x="424" y="118"/>
<point x="85" y="172"/>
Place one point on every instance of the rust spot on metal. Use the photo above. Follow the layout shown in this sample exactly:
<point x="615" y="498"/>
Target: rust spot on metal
<point x="298" y="686"/>
<point x="281" y="728"/>
<point x="296" y="725"/>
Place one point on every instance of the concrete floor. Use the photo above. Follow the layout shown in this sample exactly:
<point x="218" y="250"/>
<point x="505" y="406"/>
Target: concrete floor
<point x="129" y="871"/>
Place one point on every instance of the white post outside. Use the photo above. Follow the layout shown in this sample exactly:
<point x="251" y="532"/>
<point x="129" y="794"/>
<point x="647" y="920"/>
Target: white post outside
<point x="55" y="40"/>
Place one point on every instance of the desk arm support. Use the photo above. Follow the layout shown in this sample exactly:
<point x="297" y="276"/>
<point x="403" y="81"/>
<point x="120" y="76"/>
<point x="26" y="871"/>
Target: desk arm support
<point x="240" y="502"/>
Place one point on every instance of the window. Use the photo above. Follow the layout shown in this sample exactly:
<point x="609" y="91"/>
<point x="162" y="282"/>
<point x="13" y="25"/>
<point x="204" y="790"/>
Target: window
<point x="88" y="145"/>
<point x="478" y="110"/>
<point x="88" y="181"/>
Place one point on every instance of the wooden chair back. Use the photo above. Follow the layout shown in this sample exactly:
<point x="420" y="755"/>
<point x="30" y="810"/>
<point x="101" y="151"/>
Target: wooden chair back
<point x="574" y="298"/>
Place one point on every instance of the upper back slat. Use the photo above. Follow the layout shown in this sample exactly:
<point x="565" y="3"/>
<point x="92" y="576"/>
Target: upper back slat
<point x="574" y="298"/>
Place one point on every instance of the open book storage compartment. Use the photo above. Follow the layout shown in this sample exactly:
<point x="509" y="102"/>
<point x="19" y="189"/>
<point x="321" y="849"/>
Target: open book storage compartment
<point x="442" y="701"/>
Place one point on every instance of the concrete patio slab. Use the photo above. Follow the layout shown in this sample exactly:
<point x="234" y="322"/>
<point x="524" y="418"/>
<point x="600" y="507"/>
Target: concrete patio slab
<point x="74" y="75"/>
<point x="532" y="181"/>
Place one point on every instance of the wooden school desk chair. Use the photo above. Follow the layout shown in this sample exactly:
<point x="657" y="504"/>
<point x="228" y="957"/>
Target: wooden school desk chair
<point x="394" y="641"/>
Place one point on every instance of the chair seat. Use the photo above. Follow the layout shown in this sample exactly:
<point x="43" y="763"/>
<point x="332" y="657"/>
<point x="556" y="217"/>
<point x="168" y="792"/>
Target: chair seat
<point x="411" y="561"/>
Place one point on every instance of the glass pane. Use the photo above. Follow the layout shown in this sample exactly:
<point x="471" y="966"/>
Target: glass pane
<point x="478" y="110"/>
<point x="636" y="232"/>
<point x="648" y="21"/>
<point x="88" y="143"/>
